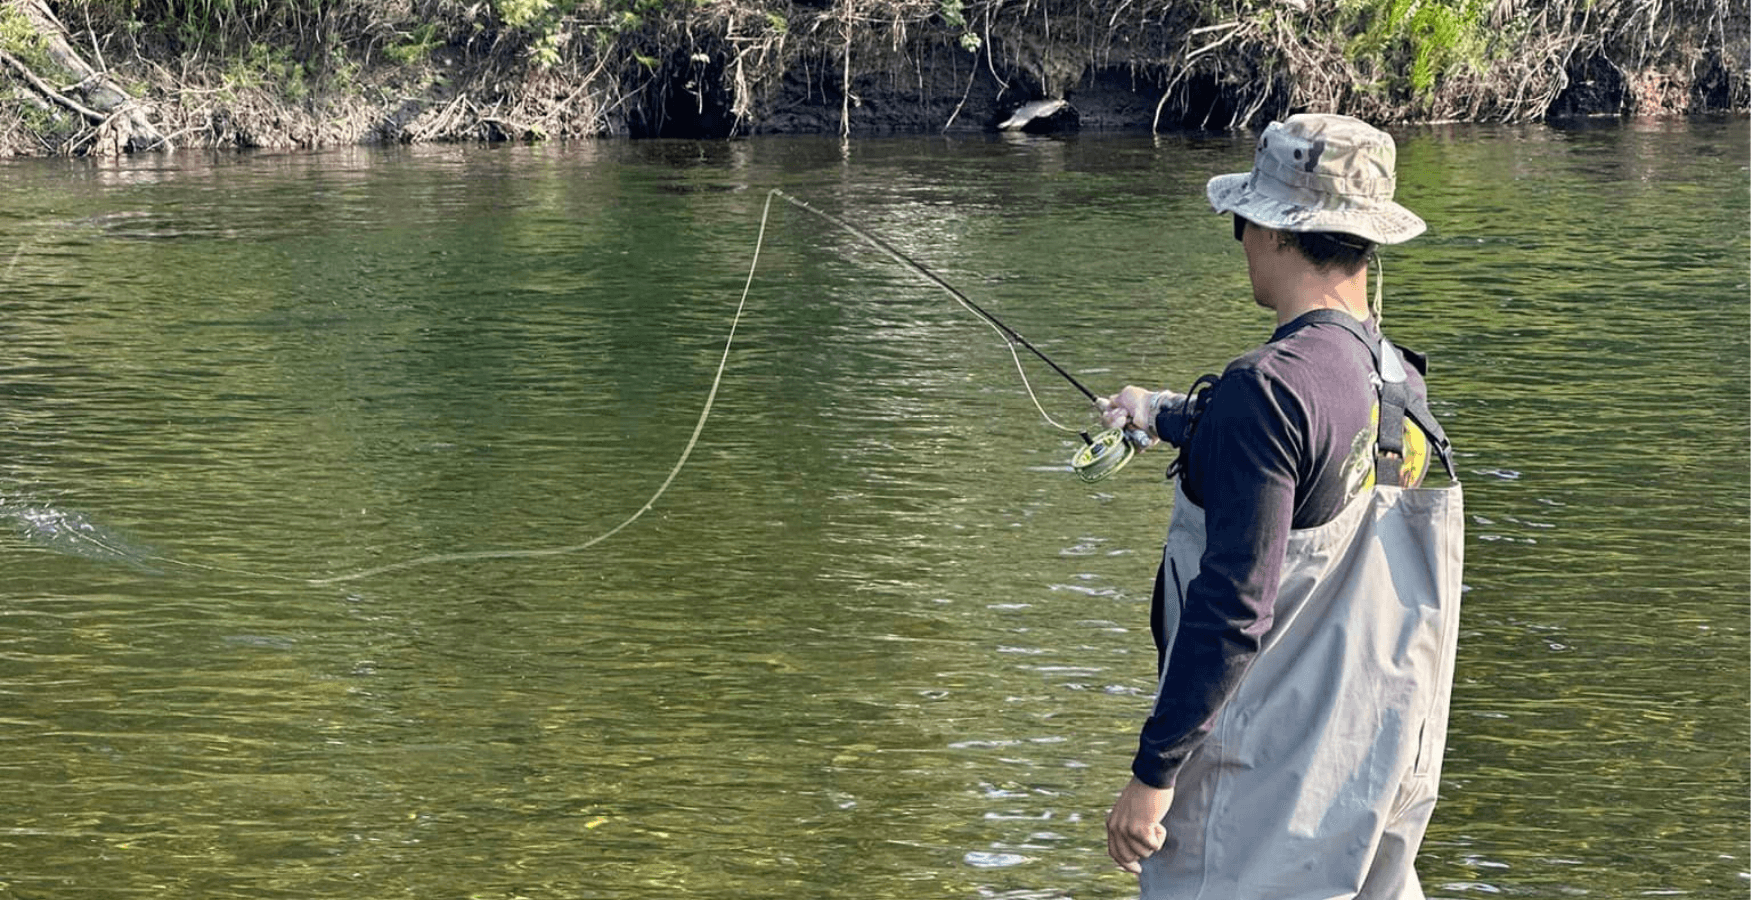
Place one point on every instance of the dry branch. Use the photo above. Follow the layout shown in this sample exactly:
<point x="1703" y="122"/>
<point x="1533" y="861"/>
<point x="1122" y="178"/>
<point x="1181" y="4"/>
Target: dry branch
<point x="42" y="87"/>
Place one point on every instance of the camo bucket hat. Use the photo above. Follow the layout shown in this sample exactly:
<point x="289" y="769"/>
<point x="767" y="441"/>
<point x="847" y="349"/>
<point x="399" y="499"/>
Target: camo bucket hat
<point x="1320" y="172"/>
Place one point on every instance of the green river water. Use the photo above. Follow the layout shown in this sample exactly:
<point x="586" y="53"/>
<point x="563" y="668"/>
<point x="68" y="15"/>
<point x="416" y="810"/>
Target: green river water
<point x="875" y="640"/>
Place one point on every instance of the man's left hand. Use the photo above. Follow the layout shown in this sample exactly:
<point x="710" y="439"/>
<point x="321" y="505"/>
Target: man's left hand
<point x="1136" y="824"/>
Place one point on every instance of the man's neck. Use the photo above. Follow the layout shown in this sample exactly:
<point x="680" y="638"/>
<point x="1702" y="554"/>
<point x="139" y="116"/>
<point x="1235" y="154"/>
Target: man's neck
<point x="1312" y="289"/>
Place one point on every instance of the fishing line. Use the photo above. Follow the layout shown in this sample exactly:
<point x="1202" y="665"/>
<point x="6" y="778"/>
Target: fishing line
<point x="432" y="559"/>
<point x="16" y="254"/>
<point x="689" y="448"/>
<point x="1013" y="340"/>
<point x="1097" y="459"/>
<point x="1101" y="456"/>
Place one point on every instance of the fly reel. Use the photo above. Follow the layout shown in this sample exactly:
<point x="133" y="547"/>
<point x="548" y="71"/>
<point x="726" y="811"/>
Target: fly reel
<point x="1105" y="454"/>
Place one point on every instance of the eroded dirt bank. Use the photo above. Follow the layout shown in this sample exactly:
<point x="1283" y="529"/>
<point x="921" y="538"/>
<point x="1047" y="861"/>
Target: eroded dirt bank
<point x="105" y="78"/>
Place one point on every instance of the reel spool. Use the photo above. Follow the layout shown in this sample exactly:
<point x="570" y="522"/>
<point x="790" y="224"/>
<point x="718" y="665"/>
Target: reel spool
<point x="1103" y="455"/>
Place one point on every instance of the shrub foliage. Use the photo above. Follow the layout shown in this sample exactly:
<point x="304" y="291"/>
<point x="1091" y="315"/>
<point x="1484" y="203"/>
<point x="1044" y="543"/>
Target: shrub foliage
<point x="535" y="68"/>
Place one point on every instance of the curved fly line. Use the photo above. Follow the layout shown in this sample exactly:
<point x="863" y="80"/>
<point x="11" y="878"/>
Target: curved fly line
<point x="1097" y="458"/>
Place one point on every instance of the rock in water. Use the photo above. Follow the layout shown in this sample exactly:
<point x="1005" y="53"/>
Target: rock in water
<point x="1043" y="117"/>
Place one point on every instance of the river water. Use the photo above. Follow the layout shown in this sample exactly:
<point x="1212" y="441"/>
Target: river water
<point x="874" y="640"/>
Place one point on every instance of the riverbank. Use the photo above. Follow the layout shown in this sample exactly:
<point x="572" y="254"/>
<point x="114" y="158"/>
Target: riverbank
<point x="103" y="77"/>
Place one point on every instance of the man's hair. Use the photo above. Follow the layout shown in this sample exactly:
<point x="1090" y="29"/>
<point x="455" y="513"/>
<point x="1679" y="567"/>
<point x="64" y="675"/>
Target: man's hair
<point x="1328" y="249"/>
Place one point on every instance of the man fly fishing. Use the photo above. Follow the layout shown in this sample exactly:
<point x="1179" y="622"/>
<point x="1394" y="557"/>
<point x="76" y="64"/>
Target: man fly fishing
<point x="1305" y="610"/>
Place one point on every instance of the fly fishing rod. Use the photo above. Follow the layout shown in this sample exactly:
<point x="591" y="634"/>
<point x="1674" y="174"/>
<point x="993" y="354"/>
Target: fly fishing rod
<point x="1102" y="455"/>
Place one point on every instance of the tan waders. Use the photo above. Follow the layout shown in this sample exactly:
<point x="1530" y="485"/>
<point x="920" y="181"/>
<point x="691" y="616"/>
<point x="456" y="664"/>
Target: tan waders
<point x="1320" y="774"/>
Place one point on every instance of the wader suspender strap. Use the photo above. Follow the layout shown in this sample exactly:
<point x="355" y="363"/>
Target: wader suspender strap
<point x="1394" y="403"/>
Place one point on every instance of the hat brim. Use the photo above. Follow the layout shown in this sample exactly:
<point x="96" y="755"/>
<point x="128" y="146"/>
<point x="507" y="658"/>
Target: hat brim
<point x="1385" y="222"/>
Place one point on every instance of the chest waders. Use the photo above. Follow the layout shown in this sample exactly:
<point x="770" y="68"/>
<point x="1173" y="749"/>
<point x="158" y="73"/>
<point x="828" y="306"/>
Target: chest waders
<point x="1321" y="773"/>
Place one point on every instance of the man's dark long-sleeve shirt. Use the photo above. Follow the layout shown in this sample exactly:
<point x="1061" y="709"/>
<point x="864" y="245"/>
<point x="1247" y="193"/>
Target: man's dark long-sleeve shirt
<point x="1284" y="443"/>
